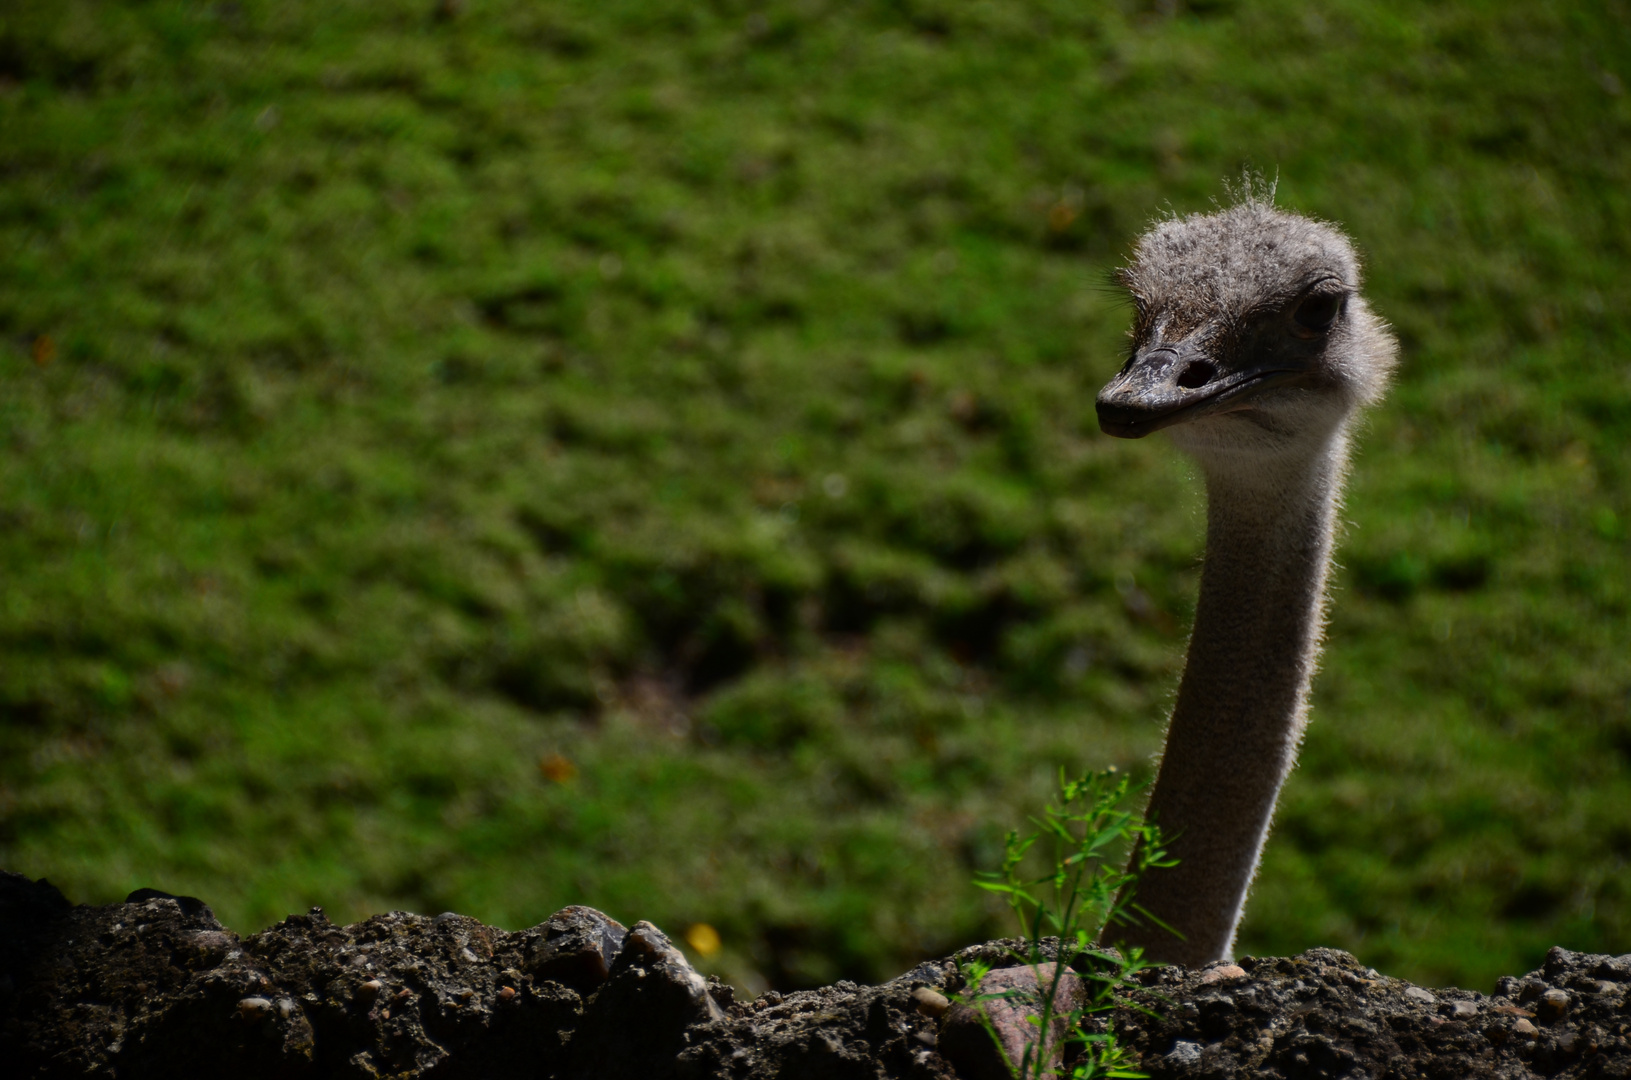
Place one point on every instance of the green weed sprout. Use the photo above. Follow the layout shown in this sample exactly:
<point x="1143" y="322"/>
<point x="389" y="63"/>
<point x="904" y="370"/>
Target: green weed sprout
<point x="1085" y="887"/>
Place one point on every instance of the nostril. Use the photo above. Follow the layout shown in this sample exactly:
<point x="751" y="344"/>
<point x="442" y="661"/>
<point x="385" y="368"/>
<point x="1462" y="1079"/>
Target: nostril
<point x="1197" y="374"/>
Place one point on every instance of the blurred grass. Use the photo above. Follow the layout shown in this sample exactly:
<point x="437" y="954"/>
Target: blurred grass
<point x="493" y="456"/>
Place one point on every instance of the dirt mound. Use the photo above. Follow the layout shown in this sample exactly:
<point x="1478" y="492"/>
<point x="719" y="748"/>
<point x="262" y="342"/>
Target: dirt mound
<point x="157" y="987"/>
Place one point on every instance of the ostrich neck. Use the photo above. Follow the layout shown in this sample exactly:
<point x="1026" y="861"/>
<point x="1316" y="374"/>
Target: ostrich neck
<point x="1243" y="700"/>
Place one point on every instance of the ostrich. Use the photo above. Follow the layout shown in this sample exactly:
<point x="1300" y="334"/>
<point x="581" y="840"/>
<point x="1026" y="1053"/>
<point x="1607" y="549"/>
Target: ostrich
<point x="1251" y="344"/>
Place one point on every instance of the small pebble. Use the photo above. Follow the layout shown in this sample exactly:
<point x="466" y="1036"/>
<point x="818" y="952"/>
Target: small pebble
<point x="505" y="993"/>
<point x="404" y="994"/>
<point x="1463" y="1010"/>
<point x="1416" y="993"/>
<point x="255" y="1008"/>
<point x="1185" y="1053"/>
<point x="1524" y="1028"/>
<point x="1225" y="971"/>
<point x="286" y="1007"/>
<point x="1552" y="1005"/>
<point x="1566" y="1042"/>
<point x="369" y="989"/>
<point x="930" y="1002"/>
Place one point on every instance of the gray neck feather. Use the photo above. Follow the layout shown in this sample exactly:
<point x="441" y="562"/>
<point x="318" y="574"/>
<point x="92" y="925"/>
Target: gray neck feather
<point x="1243" y="701"/>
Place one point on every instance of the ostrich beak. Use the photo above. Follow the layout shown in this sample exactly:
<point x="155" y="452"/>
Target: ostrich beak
<point x="1155" y="389"/>
<point x="1172" y="384"/>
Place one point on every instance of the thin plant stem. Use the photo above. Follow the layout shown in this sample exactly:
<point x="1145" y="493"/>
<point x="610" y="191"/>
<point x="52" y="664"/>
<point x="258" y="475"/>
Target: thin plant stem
<point x="1092" y="849"/>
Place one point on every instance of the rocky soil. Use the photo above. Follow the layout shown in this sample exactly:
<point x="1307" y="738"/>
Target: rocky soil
<point x="157" y="987"/>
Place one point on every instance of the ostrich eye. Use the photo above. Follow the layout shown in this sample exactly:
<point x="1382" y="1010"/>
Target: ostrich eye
<point x="1319" y="311"/>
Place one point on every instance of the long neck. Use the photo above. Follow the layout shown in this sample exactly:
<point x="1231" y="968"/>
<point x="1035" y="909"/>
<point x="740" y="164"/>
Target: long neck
<point x="1243" y="700"/>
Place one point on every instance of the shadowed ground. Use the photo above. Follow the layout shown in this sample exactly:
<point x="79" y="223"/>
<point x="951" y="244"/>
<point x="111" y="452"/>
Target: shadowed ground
<point x="157" y="987"/>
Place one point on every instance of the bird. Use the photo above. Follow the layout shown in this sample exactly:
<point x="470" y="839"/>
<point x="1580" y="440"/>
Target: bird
<point x="1254" y="350"/>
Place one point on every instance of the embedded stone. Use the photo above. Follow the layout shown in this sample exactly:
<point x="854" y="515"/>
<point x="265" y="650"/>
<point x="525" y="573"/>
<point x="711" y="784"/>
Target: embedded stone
<point x="1012" y="1000"/>
<point x="575" y="947"/>
<point x="1222" y="973"/>
<point x="1552" y="1005"/>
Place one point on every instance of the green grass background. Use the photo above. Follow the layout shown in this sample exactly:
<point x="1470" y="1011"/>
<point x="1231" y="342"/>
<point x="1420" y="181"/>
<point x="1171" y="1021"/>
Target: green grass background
<point x="509" y="454"/>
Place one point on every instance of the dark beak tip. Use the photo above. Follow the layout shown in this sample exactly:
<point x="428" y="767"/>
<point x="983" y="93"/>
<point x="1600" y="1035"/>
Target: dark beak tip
<point x="1120" y="421"/>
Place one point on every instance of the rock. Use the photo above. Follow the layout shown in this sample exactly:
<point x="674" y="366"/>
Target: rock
<point x="930" y="1002"/>
<point x="1523" y="1027"/>
<point x="1552" y="1005"/>
<point x="255" y="1009"/>
<point x="1185" y="1053"/>
<point x="652" y="981"/>
<point x="1222" y="972"/>
<point x="1416" y="993"/>
<point x="1463" y="1010"/>
<point x="1013" y="1002"/>
<point x="575" y="946"/>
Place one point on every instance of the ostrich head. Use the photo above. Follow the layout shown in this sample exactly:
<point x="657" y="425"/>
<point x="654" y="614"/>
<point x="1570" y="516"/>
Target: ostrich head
<point x="1251" y="340"/>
